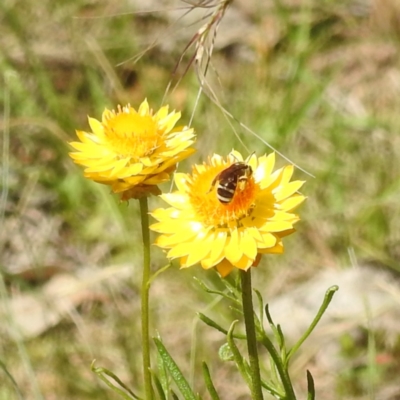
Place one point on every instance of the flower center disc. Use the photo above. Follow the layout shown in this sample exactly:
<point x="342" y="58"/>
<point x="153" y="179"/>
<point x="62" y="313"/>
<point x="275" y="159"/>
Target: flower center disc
<point x="131" y="134"/>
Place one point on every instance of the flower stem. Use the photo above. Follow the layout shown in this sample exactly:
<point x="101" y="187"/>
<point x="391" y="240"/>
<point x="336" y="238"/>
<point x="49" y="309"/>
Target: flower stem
<point x="144" y="216"/>
<point x="248" y="312"/>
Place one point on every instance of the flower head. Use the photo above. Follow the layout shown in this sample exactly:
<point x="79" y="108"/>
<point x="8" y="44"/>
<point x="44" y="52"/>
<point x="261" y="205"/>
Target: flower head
<point x="201" y="226"/>
<point x="133" y="151"/>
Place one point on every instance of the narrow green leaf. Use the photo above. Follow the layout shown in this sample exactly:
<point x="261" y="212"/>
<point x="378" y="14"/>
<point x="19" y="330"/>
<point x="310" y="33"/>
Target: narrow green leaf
<point x="238" y="310"/>
<point x="272" y="390"/>
<point x="276" y="361"/>
<point x="233" y="289"/>
<point x="327" y="299"/>
<point x="281" y="341"/>
<point x="208" y="321"/>
<point x="163" y="374"/>
<point x="175" y="372"/>
<point x="276" y="329"/>
<point x="212" y="291"/>
<point x="239" y="360"/>
<point x="261" y="309"/>
<point x="268" y="315"/>
<point x="103" y="372"/>
<point x="159" y="387"/>
<point x="310" y="386"/>
<point x="209" y="383"/>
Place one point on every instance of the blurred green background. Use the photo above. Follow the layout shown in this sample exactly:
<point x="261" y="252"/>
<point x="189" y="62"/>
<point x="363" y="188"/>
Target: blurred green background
<point x="319" y="80"/>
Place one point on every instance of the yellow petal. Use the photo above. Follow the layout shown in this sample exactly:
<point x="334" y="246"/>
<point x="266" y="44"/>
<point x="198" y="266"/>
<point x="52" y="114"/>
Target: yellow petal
<point x="156" y="179"/>
<point x="119" y="186"/>
<point x="244" y="263"/>
<point x="253" y="162"/>
<point x="144" y="108"/>
<point x="292" y="202"/>
<point x="282" y="216"/>
<point x="177" y="200"/>
<point x="130" y="170"/>
<point x="255" y="233"/>
<point x="277" y="249"/>
<point x="118" y="166"/>
<point x="224" y="268"/>
<point x="264" y="168"/>
<point x="167" y="241"/>
<point x="162" y="214"/>
<point x="285" y="233"/>
<point x="93" y="167"/>
<point x="276" y="226"/>
<point x="279" y="177"/>
<point x="96" y="126"/>
<point x="180" y="180"/>
<point x="285" y="191"/>
<point x="149" y="162"/>
<point x="180" y="250"/>
<point x="263" y="210"/>
<point x="218" y="246"/>
<point x="169" y="122"/>
<point x="200" y="250"/>
<point x="268" y="240"/>
<point x="248" y="245"/>
<point x="83" y="147"/>
<point x="162" y="112"/>
<point x="210" y="262"/>
<point x="174" y="227"/>
<point x="233" y="252"/>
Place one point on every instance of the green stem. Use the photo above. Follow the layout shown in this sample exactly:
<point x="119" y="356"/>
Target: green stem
<point x="248" y="312"/>
<point x="144" y="217"/>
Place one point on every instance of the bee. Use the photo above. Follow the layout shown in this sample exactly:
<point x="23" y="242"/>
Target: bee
<point x="229" y="180"/>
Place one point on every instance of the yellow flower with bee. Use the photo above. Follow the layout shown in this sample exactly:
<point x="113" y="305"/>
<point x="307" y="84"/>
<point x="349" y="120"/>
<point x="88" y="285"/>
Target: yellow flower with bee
<point x="228" y="212"/>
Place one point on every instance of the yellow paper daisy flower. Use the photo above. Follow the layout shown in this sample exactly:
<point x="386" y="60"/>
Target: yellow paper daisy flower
<point x="228" y="212"/>
<point x="133" y="151"/>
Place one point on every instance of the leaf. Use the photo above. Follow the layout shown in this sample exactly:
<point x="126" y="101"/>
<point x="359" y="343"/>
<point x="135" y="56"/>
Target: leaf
<point x="159" y="387"/>
<point x="101" y="372"/>
<point x="239" y="360"/>
<point x="260" y="301"/>
<point x="162" y="374"/>
<point x="327" y="299"/>
<point x="208" y="321"/>
<point x="225" y="353"/>
<point x="268" y="315"/>
<point x="211" y="323"/>
<point x="276" y="329"/>
<point x="175" y="372"/>
<point x="209" y="383"/>
<point x="212" y="291"/>
<point x="310" y="386"/>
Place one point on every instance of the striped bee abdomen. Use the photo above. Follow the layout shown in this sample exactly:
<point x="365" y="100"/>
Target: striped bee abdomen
<point x="229" y="179"/>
